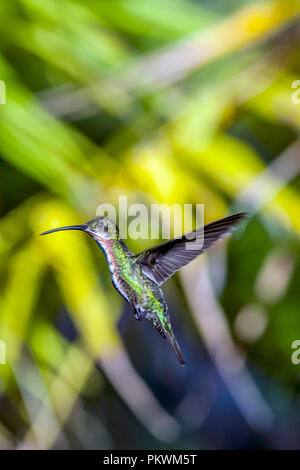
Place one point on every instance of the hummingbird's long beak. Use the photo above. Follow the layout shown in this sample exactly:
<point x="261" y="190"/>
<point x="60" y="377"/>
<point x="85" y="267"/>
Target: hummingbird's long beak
<point x="70" y="227"/>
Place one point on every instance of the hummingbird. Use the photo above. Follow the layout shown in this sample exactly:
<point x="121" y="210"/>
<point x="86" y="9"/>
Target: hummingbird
<point x="138" y="277"/>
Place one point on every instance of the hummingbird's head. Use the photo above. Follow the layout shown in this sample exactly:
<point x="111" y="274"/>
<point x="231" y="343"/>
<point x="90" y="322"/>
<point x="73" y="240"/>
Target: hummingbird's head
<point x="100" y="229"/>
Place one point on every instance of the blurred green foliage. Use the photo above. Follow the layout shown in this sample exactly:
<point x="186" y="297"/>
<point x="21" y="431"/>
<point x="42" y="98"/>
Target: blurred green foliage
<point x="173" y="101"/>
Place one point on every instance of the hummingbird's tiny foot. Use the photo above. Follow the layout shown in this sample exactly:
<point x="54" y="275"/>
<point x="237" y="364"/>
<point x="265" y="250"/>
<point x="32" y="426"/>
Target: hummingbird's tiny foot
<point x="138" y="315"/>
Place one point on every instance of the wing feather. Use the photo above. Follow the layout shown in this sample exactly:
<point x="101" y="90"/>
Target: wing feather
<point x="162" y="261"/>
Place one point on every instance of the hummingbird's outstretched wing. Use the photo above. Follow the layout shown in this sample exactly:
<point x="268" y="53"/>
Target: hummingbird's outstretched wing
<point x="162" y="261"/>
<point x="166" y="332"/>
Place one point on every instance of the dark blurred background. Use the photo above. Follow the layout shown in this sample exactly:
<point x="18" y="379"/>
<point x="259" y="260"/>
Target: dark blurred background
<point x="163" y="101"/>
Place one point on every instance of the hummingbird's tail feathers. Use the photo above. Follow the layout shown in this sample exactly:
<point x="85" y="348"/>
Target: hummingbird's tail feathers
<point x="167" y="333"/>
<point x="175" y="346"/>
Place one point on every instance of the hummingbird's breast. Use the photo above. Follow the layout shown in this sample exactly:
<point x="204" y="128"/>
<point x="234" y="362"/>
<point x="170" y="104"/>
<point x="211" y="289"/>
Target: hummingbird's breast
<point x="128" y="278"/>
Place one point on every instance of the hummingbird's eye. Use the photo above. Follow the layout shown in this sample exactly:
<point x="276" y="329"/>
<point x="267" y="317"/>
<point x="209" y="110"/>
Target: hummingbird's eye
<point x="105" y="228"/>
